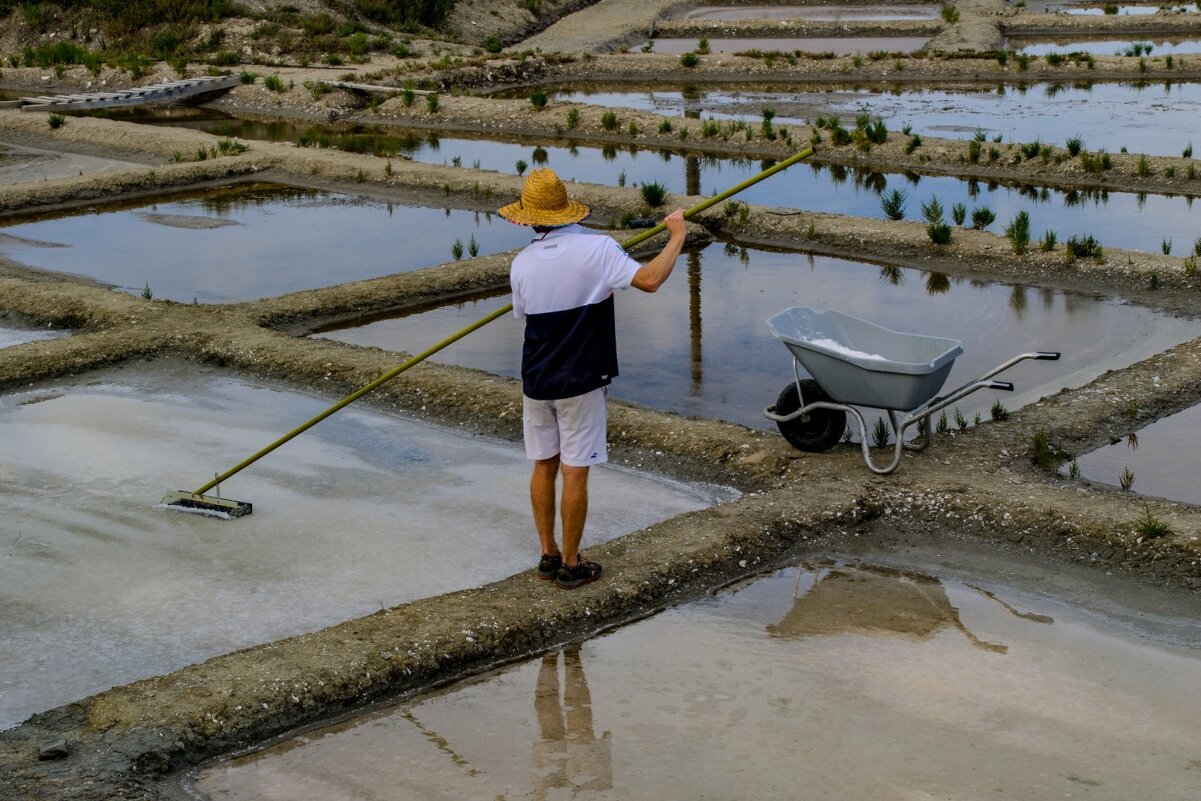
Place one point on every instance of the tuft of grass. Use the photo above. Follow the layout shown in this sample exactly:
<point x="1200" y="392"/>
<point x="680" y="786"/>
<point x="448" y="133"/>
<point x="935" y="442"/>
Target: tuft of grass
<point x="1045" y="456"/>
<point x="431" y="103"/>
<point x="998" y="411"/>
<point x="932" y="210"/>
<point x="456" y="249"/>
<point x="274" y="83"/>
<point x="573" y="117"/>
<point x="247" y="77"/>
<point x="880" y="433"/>
<point x="702" y="46"/>
<point x="960" y="420"/>
<point x="1018" y="233"/>
<point x="538" y="99"/>
<point x="893" y="204"/>
<point x="1166" y="246"/>
<point x="982" y="218"/>
<point x="1075" y="145"/>
<point x="944" y="425"/>
<point x="1047" y="244"/>
<point x="689" y="60"/>
<point x="1144" y="167"/>
<point x="147" y="292"/>
<point x="473" y="247"/>
<point x="959" y="213"/>
<point x="56" y="121"/>
<point x="609" y="120"/>
<point x="939" y="233"/>
<point x="950" y="14"/>
<point x="1078" y="247"/>
<point x="1188" y="151"/>
<point x="1150" y="527"/>
<point x="1126" y="479"/>
<point x="665" y="127"/>
<point x="1197" y="247"/>
<point x="654" y="194"/>
<point x="521" y="166"/>
<point x="913" y="144"/>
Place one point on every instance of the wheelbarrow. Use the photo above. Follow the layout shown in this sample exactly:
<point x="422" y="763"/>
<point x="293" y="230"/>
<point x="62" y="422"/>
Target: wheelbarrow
<point x="856" y="363"/>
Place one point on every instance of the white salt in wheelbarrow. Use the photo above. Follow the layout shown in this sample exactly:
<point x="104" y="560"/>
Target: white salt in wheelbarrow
<point x="856" y="363"/>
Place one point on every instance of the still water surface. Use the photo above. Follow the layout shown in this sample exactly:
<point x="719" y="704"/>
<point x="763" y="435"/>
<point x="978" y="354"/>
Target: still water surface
<point x="700" y="347"/>
<point x="847" y="679"/>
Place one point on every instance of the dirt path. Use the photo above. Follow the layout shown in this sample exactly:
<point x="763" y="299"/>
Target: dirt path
<point x="602" y="26"/>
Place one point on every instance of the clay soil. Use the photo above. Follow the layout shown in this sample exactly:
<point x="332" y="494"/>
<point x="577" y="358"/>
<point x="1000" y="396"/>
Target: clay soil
<point x="981" y="485"/>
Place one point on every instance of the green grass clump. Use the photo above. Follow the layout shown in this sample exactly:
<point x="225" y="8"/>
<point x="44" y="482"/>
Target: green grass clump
<point x="654" y="194"/>
<point x="456" y="249"/>
<point x="1018" y="233"/>
<point x="689" y="60"/>
<point x="274" y="83"/>
<point x="608" y="121"/>
<point x="893" y="204"/>
<point x="1150" y="527"/>
<point x="983" y="217"/>
<point x="1075" y="145"/>
<point x="56" y="121"/>
<point x="538" y="99"/>
<point x="1079" y="247"/>
<point x="1047" y="243"/>
<point x="431" y="103"/>
<point x="959" y="213"/>
<point x="998" y="411"/>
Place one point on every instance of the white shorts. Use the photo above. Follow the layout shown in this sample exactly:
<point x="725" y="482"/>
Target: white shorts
<point x="572" y="428"/>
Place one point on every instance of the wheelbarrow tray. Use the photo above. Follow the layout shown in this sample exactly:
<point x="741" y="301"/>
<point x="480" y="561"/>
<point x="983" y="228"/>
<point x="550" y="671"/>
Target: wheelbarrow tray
<point x="864" y="364"/>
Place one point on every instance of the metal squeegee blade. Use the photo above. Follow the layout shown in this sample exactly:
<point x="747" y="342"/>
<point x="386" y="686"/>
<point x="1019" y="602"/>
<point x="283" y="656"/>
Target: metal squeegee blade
<point x="206" y="504"/>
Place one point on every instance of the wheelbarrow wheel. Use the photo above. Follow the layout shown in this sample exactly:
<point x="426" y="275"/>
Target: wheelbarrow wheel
<point x="815" y="432"/>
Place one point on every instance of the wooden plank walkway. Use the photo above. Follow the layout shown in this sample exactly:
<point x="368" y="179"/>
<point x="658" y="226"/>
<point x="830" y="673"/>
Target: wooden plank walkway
<point x="172" y="90"/>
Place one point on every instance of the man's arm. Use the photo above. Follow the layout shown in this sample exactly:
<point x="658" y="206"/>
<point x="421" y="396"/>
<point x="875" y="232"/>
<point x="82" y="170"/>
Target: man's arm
<point x="651" y="275"/>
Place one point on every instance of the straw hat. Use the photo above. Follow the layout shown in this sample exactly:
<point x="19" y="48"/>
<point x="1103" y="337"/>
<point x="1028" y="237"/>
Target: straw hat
<point x="544" y="202"/>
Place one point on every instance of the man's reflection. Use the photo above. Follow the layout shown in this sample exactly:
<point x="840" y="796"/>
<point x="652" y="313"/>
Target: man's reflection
<point x="569" y="756"/>
<point x="860" y="599"/>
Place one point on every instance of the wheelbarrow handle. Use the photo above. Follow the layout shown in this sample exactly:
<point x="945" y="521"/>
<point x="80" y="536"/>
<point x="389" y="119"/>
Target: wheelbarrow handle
<point x="1003" y="385"/>
<point x="1048" y="355"/>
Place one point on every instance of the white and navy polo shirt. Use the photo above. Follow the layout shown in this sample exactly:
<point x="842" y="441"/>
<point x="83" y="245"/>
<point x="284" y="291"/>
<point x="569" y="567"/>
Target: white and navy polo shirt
<point x="563" y="286"/>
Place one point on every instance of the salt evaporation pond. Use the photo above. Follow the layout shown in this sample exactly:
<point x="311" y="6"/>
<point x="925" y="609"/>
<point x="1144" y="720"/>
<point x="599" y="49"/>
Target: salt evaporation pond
<point x="1161" y="45"/>
<point x="700" y="347"/>
<point x="829" y="680"/>
<point x="815" y="13"/>
<point x="1098" y="11"/>
<point x="17" y="335"/>
<point x="1157" y="119"/>
<point x="250" y="241"/>
<point x="24" y="164"/>
<point x="1125" y="220"/>
<point x="1162" y="457"/>
<point x="840" y="45"/>
<point x="366" y="510"/>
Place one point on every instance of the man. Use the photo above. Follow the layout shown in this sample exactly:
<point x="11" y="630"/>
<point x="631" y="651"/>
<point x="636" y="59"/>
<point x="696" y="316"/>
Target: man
<point x="563" y="287"/>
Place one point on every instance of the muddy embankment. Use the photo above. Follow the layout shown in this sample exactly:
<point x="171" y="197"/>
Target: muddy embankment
<point x="977" y="484"/>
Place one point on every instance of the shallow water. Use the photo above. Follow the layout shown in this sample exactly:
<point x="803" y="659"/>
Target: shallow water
<point x="815" y="13"/>
<point x="1099" y="11"/>
<point x="1125" y="220"/>
<point x="700" y="347"/>
<point x="1162" y="45"/>
<point x="849" y="680"/>
<point x="1157" y="119"/>
<point x="364" y="511"/>
<point x="1162" y="457"/>
<point x="25" y="164"/>
<point x="250" y="241"/>
<point x="10" y="335"/>
<point x="841" y="45"/>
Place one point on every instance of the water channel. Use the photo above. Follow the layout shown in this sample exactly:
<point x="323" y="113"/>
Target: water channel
<point x="367" y="510"/>
<point x="846" y="677"/>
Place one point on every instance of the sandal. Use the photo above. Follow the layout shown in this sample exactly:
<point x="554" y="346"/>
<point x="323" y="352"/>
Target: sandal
<point x="548" y="566"/>
<point x="584" y="572"/>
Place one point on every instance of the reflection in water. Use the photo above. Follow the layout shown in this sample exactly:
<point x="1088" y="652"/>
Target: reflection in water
<point x="694" y="322"/>
<point x="568" y="756"/>
<point x="875" y="601"/>
<point x="937" y="283"/>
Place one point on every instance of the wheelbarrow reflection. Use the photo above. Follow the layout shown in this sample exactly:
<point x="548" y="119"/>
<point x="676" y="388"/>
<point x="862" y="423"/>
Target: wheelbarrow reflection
<point x="878" y="601"/>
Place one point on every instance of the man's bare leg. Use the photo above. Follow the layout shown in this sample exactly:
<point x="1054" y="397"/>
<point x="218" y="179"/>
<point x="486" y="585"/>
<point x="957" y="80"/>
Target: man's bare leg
<point x="542" y="499"/>
<point x="575" y="510"/>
